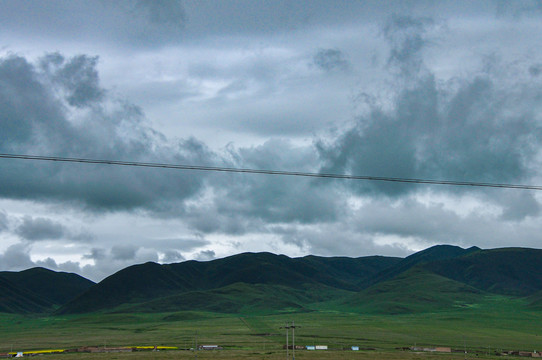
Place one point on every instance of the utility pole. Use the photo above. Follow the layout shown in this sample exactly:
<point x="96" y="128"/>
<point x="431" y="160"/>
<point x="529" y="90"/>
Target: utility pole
<point x="287" y="327"/>
<point x="293" y="340"/>
<point x="287" y="352"/>
<point x="465" y="347"/>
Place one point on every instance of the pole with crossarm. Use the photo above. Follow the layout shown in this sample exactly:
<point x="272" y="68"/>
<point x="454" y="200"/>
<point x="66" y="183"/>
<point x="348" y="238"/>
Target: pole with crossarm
<point x="287" y="352"/>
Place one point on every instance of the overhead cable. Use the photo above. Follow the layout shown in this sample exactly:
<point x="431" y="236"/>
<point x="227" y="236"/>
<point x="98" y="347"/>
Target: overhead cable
<point x="270" y="172"/>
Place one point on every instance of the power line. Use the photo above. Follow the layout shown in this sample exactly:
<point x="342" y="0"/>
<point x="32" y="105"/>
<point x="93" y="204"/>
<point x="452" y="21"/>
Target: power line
<point x="270" y="172"/>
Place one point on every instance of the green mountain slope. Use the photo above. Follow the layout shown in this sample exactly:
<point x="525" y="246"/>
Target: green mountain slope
<point x="16" y="299"/>
<point x="432" y="254"/>
<point x="146" y="282"/>
<point x="55" y="287"/>
<point x="507" y="271"/>
<point x="239" y="298"/>
<point x="38" y="290"/>
<point x="438" y="278"/>
<point x="535" y="301"/>
<point x="415" y="290"/>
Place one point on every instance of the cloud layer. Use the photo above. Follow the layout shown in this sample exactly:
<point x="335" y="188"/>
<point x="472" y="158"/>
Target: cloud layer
<point x="442" y="91"/>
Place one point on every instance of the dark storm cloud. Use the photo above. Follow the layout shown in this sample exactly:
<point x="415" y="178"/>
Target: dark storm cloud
<point x="77" y="76"/>
<point x="477" y="128"/>
<point x="39" y="116"/>
<point x="331" y="59"/>
<point x="244" y="203"/>
<point x="35" y="229"/>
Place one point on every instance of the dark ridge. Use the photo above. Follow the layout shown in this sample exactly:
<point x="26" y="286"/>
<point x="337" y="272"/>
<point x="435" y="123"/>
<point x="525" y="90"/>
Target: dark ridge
<point x="413" y="291"/>
<point x="434" y="253"/>
<point x="147" y="282"/>
<point x="506" y="271"/>
<point x="15" y="299"/>
<point x="56" y="287"/>
<point x="38" y="290"/>
<point x="440" y="277"/>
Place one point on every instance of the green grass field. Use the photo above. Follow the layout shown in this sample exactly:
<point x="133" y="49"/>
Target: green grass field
<point x="497" y="323"/>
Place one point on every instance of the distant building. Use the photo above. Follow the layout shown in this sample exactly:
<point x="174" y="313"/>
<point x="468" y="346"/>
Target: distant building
<point x="432" y="349"/>
<point x="209" y="347"/>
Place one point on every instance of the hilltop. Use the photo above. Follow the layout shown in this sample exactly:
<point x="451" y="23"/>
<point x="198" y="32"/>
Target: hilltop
<point x="38" y="290"/>
<point x="438" y="278"/>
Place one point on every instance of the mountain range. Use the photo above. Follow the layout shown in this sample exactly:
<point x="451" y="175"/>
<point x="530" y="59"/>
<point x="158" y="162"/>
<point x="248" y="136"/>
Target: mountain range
<point x="438" y="278"/>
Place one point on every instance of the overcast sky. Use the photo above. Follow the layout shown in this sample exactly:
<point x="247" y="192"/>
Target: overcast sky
<point x="446" y="90"/>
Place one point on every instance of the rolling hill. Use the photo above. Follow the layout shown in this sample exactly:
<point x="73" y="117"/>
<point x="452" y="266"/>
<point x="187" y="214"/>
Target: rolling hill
<point x="38" y="290"/>
<point x="435" y="279"/>
<point x="507" y="271"/>
<point x="432" y="254"/>
<point x="240" y="298"/>
<point x="415" y="290"/>
<point x="149" y="281"/>
<point x="15" y="299"/>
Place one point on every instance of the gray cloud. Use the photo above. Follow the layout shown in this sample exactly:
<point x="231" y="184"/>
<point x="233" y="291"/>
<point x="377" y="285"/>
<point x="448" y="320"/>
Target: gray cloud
<point x="459" y="101"/>
<point x="123" y="252"/>
<point x="16" y="257"/>
<point x="206" y="255"/>
<point x="95" y="254"/>
<point x="125" y="23"/>
<point x="517" y="9"/>
<point x="337" y="239"/>
<point x="331" y="59"/>
<point x="408" y="37"/>
<point x="172" y="256"/>
<point x="68" y="266"/>
<point x="517" y="206"/>
<point x="183" y="244"/>
<point x="3" y="221"/>
<point x="163" y="12"/>
<point x="35" y="229"/>
<point x="244" y="203"/>
<point x="77" y="76"/>
<point x="48" y="263"/>
<point x="477" y="128"/>
<point x="535" y="69"/>
<point x="480" y="226"/>
<point x="109" y="261"/>
<point x="36" y="119"/>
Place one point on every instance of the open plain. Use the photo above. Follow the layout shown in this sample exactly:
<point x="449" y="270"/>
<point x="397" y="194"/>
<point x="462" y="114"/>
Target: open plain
<point x="484" y="330"/>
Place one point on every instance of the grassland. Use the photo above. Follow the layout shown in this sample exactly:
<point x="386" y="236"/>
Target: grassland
<point x="497" y="323"/>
